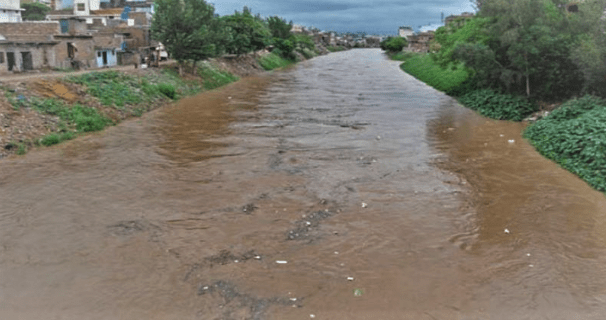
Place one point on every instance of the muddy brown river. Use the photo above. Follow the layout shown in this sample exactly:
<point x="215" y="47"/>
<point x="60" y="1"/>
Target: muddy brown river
<point x="341" y="188"/>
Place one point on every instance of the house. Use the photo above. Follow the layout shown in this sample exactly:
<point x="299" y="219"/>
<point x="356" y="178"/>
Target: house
<point x="405" y="31"/>
<point x="10" y="11"/>
<point x="420" y="42"/>
<point x="76" y="45"/>
<point x="461" y="17"/>
<point x="27" y="46"/>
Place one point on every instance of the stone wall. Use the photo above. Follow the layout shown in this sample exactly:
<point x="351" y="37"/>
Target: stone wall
<point x="42" y="30"/>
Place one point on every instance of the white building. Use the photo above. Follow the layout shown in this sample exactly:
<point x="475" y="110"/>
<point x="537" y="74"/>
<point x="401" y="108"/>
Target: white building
<point x="405" y="31"/>
<point x="10" y="10"/>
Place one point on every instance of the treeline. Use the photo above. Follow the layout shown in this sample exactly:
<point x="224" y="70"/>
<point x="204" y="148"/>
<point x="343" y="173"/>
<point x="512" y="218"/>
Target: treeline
<point x="543" y="49"/>
<point x="191" y="31"/>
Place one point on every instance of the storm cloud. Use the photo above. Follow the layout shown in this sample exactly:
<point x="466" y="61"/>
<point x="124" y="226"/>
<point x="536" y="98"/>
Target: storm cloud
<point x="379" y="17"/>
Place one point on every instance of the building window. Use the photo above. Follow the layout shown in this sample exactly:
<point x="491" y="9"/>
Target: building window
<point x="81" y="7"/>
<point x="1" y="57"/>
<point x="99" y="54"/>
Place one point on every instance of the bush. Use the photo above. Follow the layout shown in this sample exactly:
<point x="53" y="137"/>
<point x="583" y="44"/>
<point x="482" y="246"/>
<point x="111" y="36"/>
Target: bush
<point x="335" y="48"/>
<point x="498" y="106"/>
<point x="574" y="136"/>
<point x="55" y="138"/>
<point x="424" y="68"/>
<point x="393" y="44"/>
<point x="167" y="90"/>
<point x="273" y="61"/>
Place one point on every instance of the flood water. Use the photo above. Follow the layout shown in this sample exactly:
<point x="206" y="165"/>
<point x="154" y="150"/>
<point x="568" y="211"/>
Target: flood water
<point x="342" y="167"/>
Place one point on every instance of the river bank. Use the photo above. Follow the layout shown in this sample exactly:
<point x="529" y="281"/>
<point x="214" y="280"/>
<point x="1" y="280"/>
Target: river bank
<point x="571" y="133"/>
<point x="48" y="109"/>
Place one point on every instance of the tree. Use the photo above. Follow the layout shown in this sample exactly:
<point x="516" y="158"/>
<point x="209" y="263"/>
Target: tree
<point x="189" y="30"/>
<point x="34" y="11"/>
<point x="393" y="44"/>
<point x="279" y="27"/>
<point x="248" y="32"/>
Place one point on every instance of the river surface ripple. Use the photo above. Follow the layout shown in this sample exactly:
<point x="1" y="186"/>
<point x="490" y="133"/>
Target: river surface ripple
<point x="384" y="198"/>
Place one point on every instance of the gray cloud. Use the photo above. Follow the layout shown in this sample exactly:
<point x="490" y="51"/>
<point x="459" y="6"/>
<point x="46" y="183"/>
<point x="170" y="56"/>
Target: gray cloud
<point x="380" y="16"/>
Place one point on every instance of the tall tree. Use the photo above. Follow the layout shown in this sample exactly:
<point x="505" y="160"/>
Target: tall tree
<point x="249" y="33"/>
<point x="279" y="27"/>
<point x="34" y="11"/>
<point x="188" y="29"/>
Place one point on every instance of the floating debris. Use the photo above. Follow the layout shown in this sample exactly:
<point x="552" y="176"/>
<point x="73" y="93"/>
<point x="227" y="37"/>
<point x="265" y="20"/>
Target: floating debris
<point x="364" y="205"/>
<point x="350" y="278"/>
<point x="312" y="315"/>
<point x="281" y="261"/>
<point x="506" y="230"/>
<point x="358" y="292"/>
<point x="512" y="141"/>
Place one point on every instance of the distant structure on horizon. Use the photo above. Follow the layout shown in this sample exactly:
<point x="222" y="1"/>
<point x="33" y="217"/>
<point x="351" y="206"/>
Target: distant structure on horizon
<point x="464" y="15"/>
<point x="405" y="31"/>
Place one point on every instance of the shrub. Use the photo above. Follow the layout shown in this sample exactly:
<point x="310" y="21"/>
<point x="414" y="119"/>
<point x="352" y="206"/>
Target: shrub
<point x="167" y="90"/>
<point x="393" y="44"/>
<point x="574" y="136"/>
<point x="273" y="61"/>
<point x="498" y="106"/>
<point x="55" y="138"/>
<point x="424" y="68"/>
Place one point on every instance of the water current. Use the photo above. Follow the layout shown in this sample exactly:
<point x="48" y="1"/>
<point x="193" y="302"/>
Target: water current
<point x="341" y="188"/>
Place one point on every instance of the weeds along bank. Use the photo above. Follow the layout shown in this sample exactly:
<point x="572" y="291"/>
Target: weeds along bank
<point x="573" y="135"/>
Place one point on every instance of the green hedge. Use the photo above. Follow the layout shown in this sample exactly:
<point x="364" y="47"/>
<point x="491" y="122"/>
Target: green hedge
<point x="425" y="69"/>
<point x="574" y="136"/>
<point x="498" y="106"/>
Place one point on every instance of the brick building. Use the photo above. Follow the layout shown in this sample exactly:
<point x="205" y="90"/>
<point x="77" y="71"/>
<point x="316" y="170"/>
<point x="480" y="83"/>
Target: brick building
<point x="27" y="46"/>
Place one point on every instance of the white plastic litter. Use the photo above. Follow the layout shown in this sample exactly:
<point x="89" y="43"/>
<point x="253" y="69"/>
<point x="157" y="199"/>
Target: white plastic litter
<point x="364" y="205"/>
<point x="312" y="315"/>
<point x="350" y="278"/>
<point x="511" y="141"/>
<point x="258" y="257"/>
<point x="506" y="230"/>
<point x="281" y="262"/>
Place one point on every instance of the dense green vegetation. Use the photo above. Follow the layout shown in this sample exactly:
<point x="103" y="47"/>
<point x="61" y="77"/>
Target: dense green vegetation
<point x="516" y="53"/>
<point x="425" y="69"/>
<point x="34" y="11"/>
<point x="214" y="78"/>
<point x="574" y="136"/>
<point x="498" y="106"/>
<point x="191" y="31"/>
<point x="393" y="44"/>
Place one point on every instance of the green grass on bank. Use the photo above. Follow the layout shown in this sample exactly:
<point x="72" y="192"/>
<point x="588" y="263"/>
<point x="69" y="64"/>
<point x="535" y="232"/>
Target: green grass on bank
<point x="214" y="78"/>
<point x="273" y="61"/>
<point x="402" y="56"/>
<point x="72" y="119"/>
<point x="423" y="67"/>
<point x="335" y="48"/>
<point x="574" y="136"/>
<point x="117" y="89"/>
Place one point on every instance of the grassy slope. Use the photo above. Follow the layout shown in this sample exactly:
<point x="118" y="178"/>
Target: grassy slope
<point x="119" y="91"/>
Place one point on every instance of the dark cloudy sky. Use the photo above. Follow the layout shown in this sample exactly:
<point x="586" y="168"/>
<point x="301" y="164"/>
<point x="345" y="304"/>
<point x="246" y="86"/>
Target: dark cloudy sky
<point x="378" y="16"/>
